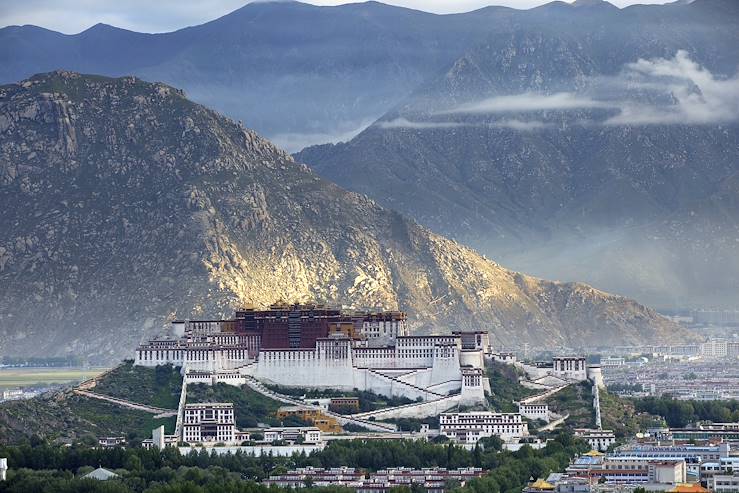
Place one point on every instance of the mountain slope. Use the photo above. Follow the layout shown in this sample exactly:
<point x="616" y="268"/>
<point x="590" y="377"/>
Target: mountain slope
<point x="556" y="189"/>
<point x="125" y="204"/>
<point x="295" y="72"/>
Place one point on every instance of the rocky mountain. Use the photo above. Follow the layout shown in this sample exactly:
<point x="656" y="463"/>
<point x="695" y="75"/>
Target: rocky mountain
<point x="295" y="72"/>
<point x="576" y="148"/>
<point x="302" y="74"/>
<point x="125" y="205"/>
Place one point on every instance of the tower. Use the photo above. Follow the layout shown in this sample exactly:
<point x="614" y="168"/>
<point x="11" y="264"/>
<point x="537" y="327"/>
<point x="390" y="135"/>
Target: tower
<point x="595" y="375"/>
<point x="473" y="391"/>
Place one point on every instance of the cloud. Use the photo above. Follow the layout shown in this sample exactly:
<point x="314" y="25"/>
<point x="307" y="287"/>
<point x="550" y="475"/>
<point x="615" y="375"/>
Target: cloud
<point x="405" y="123"/>
<point x="513" y="124"/>
<point x="523" y="126"/>
<point x="647" y="92"/>
<point x="698" y="97"/>
<point x="526" y="102"/>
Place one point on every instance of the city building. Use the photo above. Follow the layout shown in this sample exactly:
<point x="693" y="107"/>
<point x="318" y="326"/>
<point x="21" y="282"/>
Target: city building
<point x="715" y="348"/>
<point x="210" y="423"/>
<point x="534" y="411"/>
<point x="293" y="434"/>
<point x="470" y="427"/>
<point x="612" y="362"/>
<point x="337" y="404"/>
<point x="597" y="439"/>
<point x="715" y="317"/>
<point x="723" y="432"/>
<point x="432" y="480"/>
<point x="691" y="453"/>
<point x="724" y="483"/>
<point x="111" y="442"/>
<point x="570" y="367"/>
<point x="539" y="486"/>
<point x="12" y="394"/>
<point x="314" y="416"/>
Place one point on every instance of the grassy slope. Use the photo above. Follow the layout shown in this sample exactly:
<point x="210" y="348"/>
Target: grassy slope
<point x="159" y="387"/>
<point x="368" y="401"/>
<point x="505" y="387"/>
<point x="577" y="401"/>
<point x="250" y="407"/>
<point x="70" y="417"/>
<point x="621" y="416"/>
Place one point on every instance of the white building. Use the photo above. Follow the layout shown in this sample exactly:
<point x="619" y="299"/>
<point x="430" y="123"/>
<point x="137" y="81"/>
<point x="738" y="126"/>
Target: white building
<point x="597" y="439"/>
<point x="382" y="359"/>
<point x="534" y="411"/>
<point x="470" y="427"/>
<point x="306" y="434"/>
<point x="612" y="362"/>
<point x="160" y="440"/>
<point x="715" y="349"/>
<point x="111" y="442"/>
<point x="209" y="422"/>
<point x="570" y="368"/>
<point x="3" y="469"/>
<point x="384" y="327"/>
<point x="724" y="483"/>
<point x="502" y="357"/>
<point x="12" y="394"/>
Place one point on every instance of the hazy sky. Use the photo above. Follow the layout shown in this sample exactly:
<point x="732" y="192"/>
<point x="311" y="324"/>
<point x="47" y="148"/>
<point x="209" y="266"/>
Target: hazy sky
<point x="73" y="16"/>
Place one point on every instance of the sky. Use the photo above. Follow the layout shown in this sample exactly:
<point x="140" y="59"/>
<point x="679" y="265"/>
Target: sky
<point x="73" y="16"/>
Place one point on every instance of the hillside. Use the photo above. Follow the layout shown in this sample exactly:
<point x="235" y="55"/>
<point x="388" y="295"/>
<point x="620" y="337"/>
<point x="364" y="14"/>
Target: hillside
<point x="556" y="144"/>
<point x="67" y="417"/>
<point x="126" y="205"/>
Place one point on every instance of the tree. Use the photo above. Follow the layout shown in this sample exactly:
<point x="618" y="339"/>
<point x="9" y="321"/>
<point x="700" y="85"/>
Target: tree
<point x="133" y="463"/>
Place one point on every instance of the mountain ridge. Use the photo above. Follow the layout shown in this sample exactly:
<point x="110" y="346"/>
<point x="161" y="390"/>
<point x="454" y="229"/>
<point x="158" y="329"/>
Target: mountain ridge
<point x="101" y="176"/>
<point x="303" y="74"/>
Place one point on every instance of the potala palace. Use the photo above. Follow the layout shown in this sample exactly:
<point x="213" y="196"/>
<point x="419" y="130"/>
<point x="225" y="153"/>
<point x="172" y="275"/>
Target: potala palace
<point x="312" y="346"/>
<point x="317" y="347"/>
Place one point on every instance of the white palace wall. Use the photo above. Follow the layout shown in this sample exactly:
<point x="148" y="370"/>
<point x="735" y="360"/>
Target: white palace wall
<point x="416" y="367"/>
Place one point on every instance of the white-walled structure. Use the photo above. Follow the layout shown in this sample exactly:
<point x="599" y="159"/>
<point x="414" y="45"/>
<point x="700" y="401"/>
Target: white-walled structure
<point x="470" y="427"/>
<point x="597" y="439"/>
<point x="306" y="434"/>
<point x="534" y="411"/>
<point x="3" y="469"/>
<point x="570" y="367"/>
<point x="378" y="357"/>
<point x="595" y="375"/>
<point x="210" y="422"/>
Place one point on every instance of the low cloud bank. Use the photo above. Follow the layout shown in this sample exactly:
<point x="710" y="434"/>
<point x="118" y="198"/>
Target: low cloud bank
<point x="405" y="123"/>
<point x="514" y="124"/>
<point x="527" y="102"/>
<point x="688" y="94"/>
<point x="698" y="96"/>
